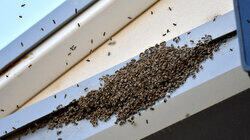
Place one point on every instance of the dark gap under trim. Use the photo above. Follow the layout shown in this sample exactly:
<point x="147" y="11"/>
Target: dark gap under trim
<point x="229" y="119"/>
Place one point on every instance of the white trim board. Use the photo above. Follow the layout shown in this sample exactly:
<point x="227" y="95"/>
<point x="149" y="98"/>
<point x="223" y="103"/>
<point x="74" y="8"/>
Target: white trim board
<point x="48" y="61"/>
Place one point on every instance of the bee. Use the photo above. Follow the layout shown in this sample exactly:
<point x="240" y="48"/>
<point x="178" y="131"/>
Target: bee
<point x="58" y="132"/>
<point x="165" y="100"/>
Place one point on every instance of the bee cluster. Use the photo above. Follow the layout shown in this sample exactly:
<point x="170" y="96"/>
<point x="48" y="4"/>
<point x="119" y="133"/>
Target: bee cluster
<point x="158" y="72"/>
<point x="137" y="86"/>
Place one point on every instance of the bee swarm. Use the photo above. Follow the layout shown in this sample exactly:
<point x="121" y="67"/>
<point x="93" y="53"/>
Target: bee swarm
<point x="137" y="86"/>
